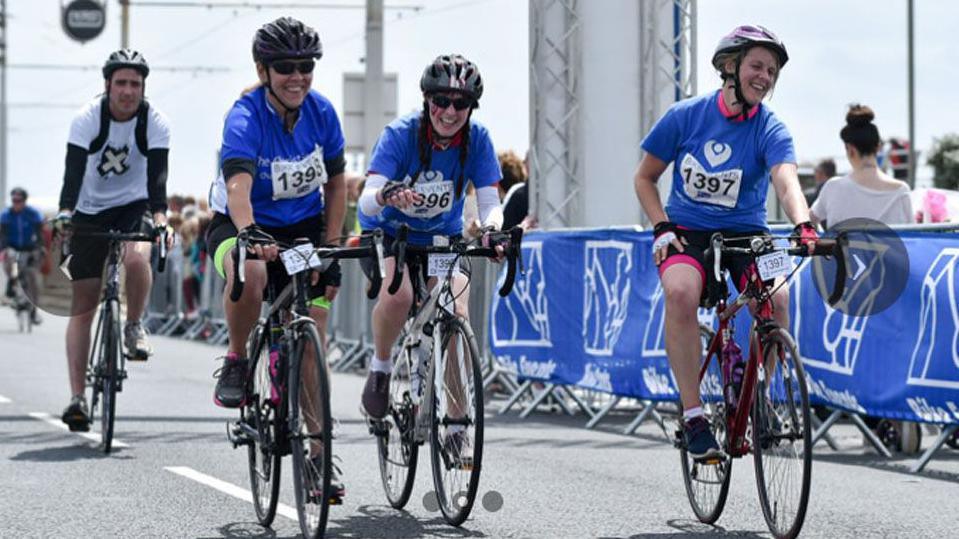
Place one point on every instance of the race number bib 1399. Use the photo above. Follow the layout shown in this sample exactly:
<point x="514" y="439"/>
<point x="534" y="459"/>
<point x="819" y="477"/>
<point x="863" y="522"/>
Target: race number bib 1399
<point x="720" y="188"/>
<point x="437" y="198"/>
<point x="293" y="179"/>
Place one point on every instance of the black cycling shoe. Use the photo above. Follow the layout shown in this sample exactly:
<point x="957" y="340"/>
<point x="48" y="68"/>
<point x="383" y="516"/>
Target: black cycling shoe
<point x="76" y="415"/>
<point x="376" y="395"/>
<point x="230" y="389"/>
<point x="701" y="445"/>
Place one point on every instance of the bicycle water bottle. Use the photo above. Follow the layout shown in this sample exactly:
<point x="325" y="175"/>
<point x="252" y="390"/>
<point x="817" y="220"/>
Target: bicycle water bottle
<point x="275" y="374"/>
<point x="733" y="369"/>
<point x="420" y="357"/>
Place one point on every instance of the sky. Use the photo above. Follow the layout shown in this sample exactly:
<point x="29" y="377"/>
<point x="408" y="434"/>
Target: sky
<point x="840" y="52"/>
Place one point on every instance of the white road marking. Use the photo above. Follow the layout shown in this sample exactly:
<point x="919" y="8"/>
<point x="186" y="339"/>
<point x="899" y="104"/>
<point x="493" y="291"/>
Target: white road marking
<point x="50" y="420"/>
<point x="227" y="488"/>
<point x="4" y="400"/>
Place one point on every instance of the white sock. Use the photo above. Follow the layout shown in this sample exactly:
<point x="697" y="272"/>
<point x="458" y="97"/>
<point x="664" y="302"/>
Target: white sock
<point x="455" y="428"/>
<point x="692" y="412"/>
<point x="379" y="365"/>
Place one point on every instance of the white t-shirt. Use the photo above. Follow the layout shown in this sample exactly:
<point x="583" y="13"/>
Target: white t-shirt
<point x="116" y="173"/>
<point x="842" y="198"/>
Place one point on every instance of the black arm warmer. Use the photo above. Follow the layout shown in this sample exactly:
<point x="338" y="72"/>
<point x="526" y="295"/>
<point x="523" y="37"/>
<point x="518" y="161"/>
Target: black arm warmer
<point x="76" y="164"/>
<point x="156" y="178"/>
<point x="235" y="165"/>
<point x="335" y="165"/>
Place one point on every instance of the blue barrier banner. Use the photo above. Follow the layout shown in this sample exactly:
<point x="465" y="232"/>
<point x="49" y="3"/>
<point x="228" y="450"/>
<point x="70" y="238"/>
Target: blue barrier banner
<point x="589" y="312"/>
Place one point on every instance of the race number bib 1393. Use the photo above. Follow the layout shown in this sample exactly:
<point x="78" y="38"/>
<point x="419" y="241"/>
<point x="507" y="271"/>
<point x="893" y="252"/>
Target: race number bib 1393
<point x="293" y="179"/>
<point x="437" y="198"/>
<point x="720" y="188"/>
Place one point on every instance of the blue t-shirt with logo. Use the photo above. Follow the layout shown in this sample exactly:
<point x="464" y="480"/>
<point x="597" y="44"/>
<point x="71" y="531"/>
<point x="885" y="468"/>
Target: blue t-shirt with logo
<point x="720" y="167"/>
<point x="290" y="169"/>
<point x="396" y="156"/>
<point x="21" y="227"/>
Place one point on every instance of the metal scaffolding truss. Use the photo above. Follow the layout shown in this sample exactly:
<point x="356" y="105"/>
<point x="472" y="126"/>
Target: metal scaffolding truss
<point x="664" y="35"/>
<point x="555" y="103"/>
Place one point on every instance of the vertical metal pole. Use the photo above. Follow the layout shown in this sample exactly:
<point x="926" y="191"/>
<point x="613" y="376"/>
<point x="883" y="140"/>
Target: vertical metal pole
<point x="3" y="103"/>
<point x="124" y="24"/>
<point x="373" y="83"/>
<point x="911" y="98"/>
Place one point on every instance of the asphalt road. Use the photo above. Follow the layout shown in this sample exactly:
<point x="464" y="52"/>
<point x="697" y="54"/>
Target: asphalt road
<point x="176" y="475"/>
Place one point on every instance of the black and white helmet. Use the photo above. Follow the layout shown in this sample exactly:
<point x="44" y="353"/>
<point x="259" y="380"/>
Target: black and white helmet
<point x="452" y="72"/>
<point x="124" y="58"/>
<point x="286" y="38"/>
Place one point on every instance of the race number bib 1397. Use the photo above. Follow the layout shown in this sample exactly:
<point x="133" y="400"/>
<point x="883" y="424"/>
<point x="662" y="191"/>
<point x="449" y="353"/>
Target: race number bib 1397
<point x="437" y="198"/>
<point x="293" y="179"/>
<point x="720" y="188"/>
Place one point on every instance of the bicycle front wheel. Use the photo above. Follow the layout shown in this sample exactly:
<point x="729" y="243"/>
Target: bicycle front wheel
<point x="707" y="484"/>
<point x="107" y="370"/>
<point x="310" y="431"/>
<point x="456" y="432"/>
<point x="261" y="414"/>
<point x="397" y="450"/>
<point x="782" y="440"/>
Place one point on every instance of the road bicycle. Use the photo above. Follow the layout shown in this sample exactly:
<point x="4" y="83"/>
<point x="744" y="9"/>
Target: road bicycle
<point x="106" y="368"/>
<point x="436" y="388"/>
<point x="23" y="300"/>
<point x="287" y="407"/>
<point x="760" y="406"/>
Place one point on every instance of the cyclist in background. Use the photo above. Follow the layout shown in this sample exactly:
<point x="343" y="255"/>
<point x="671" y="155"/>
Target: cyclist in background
<point x="21" y="231"/>
<point x="417" y="176"/>
<point x="725" y="147"/>
<point x="281" y="178"/>
<point x="115" y="178"/>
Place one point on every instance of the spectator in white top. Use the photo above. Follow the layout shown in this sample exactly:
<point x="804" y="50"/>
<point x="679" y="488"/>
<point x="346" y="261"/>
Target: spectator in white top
<point x="867" y="191"/>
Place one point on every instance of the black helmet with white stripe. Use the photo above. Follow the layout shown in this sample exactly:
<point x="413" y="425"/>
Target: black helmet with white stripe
<point x="452" y="72"/>
<point x="125" y="58"/>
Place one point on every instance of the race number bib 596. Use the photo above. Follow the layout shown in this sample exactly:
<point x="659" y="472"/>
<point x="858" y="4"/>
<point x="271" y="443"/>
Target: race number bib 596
<point x="293" y="179"/>
<point x="437" y="198"/>
<point x="720" y="188"/>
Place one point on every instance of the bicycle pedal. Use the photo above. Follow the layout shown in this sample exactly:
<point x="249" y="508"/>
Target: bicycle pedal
<point x="335" y="500"/>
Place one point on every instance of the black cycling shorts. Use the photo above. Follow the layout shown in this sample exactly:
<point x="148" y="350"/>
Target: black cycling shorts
<point x="89" y="255"/>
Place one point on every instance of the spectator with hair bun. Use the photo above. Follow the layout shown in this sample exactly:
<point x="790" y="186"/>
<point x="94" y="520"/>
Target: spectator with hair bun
<point x="867" y="191"/>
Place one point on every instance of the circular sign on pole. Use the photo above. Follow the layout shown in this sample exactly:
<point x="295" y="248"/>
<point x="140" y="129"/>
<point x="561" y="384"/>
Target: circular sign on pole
<point x="83" y="20"/>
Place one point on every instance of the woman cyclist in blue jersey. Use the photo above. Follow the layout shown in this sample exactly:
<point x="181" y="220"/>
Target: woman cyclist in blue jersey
<point x="725" y="147"/>
<point x="281" y="178"/>
<point x="417" y="176"/>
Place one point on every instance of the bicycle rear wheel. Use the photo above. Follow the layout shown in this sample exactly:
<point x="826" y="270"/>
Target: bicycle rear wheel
<point x="707" y="485"/>
<point x="107" y="370"/>
<point x="310" y="425"/>
<point x="456" y="432"/>
<point x="261" y="415"/>
<point x="782" y="440"/>
<point x="397" y="451"/>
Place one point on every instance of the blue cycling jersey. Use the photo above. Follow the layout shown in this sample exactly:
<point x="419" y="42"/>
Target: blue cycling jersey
<point x="290" y="167"/>
<point x="396" y="156"/>
<point x="21" y="227"/>
<point x="720" y="166"/>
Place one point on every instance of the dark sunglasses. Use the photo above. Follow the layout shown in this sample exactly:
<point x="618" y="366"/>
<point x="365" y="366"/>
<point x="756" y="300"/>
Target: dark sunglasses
<point x="460" y="103"/>
<point x="286" y="67"/>
<point x="17" y="200"/>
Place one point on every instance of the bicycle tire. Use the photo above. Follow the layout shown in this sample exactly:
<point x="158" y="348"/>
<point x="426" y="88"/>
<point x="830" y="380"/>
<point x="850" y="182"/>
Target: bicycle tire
<point x="780" y="410"/>
<point x="310" y="422"/>
<point x="707" y="485"/>
<point x="456" y="491"/>
<point x="108" y="371"/>
<point x="261" y="413"/>
<point x="396" y="449"/>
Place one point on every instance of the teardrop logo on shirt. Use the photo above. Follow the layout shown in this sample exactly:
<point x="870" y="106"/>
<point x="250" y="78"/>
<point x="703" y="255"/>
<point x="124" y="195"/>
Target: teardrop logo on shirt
<point x="717" y="153"/>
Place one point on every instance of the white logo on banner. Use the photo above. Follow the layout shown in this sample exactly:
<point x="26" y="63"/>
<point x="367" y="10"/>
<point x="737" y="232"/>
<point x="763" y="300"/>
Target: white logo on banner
<point x="938" y="326"/>
<point x="841" y="332"/>
<point x="606" y="294"/>
<point x="596" y="378"/>
<point x="525" y="310"/>
<point x="717" y="153"/>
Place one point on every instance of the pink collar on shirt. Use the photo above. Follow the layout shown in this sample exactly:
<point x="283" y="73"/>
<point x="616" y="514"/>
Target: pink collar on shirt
<point x="728" y="115"/>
